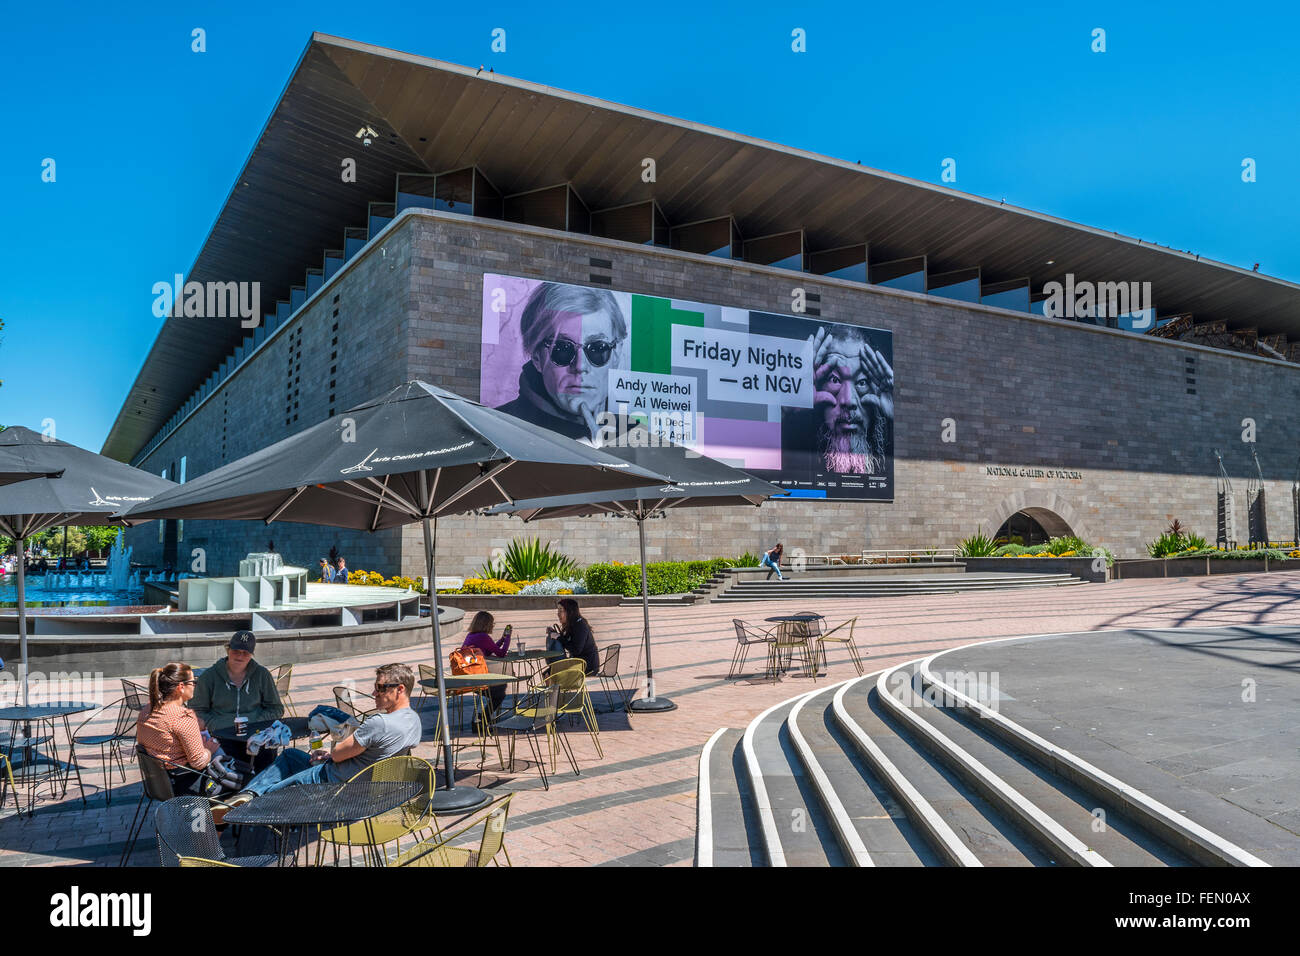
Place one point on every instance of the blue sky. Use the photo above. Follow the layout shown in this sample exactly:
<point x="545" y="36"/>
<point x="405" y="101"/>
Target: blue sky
<point x="1146" y="139"/>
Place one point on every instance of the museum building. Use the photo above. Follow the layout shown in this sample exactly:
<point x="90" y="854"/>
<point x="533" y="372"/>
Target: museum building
<point x="1044" y="377"/>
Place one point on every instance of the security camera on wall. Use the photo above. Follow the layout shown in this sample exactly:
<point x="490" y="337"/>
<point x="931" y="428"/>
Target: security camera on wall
<point x="366" y="134"/>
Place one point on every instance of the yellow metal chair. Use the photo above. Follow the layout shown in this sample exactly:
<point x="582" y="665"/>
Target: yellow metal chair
<point x="357" y="703"/>
<point x="440" y="853"/>
<point x="8" y="782"/>
<point x="829" y="637"/>
<point x="575" y="701"/>
<point x="199" y="861"/>
<point x="788" y="637"/>
<point x="283" y="674"/>
<point x="410" y="818"/>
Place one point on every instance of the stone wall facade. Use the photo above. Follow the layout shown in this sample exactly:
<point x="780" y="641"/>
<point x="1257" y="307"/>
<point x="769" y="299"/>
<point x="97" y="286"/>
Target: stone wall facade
<point x="1114" y="430"/>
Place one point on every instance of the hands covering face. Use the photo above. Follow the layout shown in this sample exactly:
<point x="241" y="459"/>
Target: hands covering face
<point x="836" y="367"/>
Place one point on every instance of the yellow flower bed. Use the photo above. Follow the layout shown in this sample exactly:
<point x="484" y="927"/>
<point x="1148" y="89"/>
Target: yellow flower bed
<point x="488" y="586"/>
<point x="377" y="580"/>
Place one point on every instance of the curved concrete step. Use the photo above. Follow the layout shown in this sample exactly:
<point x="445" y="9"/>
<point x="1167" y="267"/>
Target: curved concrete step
<point x="902" y="704"/>
<point x="906" y="583"/>
<point x="726" y="832"/>
<point x="753" y="591"/>
<point x="872" y="827"/>
<point x="793" y="823"/>
<point x="1100" y="827"/>
<point x="961" y="825"/>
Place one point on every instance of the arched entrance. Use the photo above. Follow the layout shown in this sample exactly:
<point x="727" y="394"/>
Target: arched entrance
<point x="1031" y="526"/>
<point x="1036" y="515"/>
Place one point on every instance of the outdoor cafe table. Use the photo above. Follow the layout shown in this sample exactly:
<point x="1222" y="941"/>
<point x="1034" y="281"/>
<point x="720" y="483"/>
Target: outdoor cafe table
<point x="526" y="657"/>
<point x="324" y="806"/>
<point x="297" y="729"/>
<point x="32" y="760"/>
<point x="465" y="683"/>
<point x="802" y="637"/>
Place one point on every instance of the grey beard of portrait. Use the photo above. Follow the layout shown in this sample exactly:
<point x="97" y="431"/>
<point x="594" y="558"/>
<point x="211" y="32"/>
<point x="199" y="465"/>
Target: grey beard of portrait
<point x="854" y="453"/>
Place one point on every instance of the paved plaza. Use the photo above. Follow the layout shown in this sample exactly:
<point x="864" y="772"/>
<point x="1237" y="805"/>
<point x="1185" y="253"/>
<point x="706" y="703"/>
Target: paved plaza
<point x="637" y="806"/>
<point x="1197" y="718"/>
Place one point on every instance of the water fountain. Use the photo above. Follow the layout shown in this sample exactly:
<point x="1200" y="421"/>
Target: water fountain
<point x="118" y="577"/>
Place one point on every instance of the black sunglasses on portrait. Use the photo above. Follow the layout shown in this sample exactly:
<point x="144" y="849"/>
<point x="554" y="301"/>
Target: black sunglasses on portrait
<point x="379" y="687"/>
<point x="564" y="352"/>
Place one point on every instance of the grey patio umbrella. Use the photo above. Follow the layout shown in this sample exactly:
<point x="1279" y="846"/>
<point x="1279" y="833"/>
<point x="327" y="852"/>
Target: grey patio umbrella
<point x="14" y="469"/>
<point x="698" y="482"/>
<point x="415" y="454"/>
<point x="90" y="489"/>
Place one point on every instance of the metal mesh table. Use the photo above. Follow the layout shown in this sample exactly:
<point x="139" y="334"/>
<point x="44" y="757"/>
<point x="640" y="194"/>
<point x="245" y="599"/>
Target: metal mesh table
<point x="322" y="806"/>
<point x="30" y="764"/>
<point x="533" y="659"/>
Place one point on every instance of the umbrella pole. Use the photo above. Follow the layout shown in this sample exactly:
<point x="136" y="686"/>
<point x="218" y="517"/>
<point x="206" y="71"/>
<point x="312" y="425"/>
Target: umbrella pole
<point x="650" y="703"/>
<point x="448" y="798"/>
<point x="22" y="614"/>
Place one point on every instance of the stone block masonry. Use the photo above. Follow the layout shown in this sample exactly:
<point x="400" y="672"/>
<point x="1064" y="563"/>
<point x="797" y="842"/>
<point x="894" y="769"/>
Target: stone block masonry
<point x="1090" y="429"/>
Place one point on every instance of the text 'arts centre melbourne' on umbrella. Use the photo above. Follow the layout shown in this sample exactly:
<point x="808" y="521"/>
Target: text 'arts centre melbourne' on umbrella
<point x="697" y="482"/>
<point x="415" y="454"/>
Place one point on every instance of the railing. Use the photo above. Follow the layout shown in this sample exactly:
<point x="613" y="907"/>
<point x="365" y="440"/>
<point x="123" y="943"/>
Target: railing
<point x="885" y="556"/>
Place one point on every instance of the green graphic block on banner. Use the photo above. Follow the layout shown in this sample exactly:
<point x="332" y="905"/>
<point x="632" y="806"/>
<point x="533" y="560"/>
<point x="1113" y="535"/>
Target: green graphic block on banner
<point x="652" y="332"/>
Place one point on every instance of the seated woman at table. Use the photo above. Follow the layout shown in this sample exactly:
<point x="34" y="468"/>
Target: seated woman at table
<point x="396" y="729"/>
<point x="170" y="731"/>
<point x="574" y="634"/>
<point x="480" y="637"/>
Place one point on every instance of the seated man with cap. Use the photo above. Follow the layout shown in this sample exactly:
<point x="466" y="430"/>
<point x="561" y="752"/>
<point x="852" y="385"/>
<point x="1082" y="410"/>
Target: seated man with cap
<point x="237" y="687"/>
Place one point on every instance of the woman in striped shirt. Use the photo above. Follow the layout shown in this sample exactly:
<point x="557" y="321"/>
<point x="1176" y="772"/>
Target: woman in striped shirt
<point x="171" y="731"/>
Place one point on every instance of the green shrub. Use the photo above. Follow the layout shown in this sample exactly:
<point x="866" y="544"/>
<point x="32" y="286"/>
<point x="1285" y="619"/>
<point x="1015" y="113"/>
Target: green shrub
<point x="1009" y="551"/>
<point x="662" y="577"/>
<point x="978" y="545"/>
<point x="529" y="560"/>
<point x="613" y="579"/>
<point x="1167" y="545"/>
<point x="1068" y="542"/>
<point x="1195" y="542"/>
<point x="492" y="571"/>
<point x="1257" y="554"/>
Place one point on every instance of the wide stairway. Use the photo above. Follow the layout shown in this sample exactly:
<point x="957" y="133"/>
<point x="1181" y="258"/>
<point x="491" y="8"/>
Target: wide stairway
<point x="802" y="586"/>
<point x="910" y="767"/>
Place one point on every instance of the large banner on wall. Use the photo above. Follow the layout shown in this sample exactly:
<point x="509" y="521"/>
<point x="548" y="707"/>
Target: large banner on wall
<point x="805" y="404"/>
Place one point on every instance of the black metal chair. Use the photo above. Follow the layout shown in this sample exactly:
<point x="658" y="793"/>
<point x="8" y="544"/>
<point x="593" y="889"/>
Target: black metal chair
<point x="746" y="637"/>
<point x="157" y="784"/>
<point x="534" y="713"/>
<point x="110" y="745"/>
<point x="185" y="828"/>
<point x="137" y="695"/>
<point x="608" y="674"/>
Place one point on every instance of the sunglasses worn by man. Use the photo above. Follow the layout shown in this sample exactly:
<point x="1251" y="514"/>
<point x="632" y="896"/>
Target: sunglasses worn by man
<point x="564" y="352"/>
